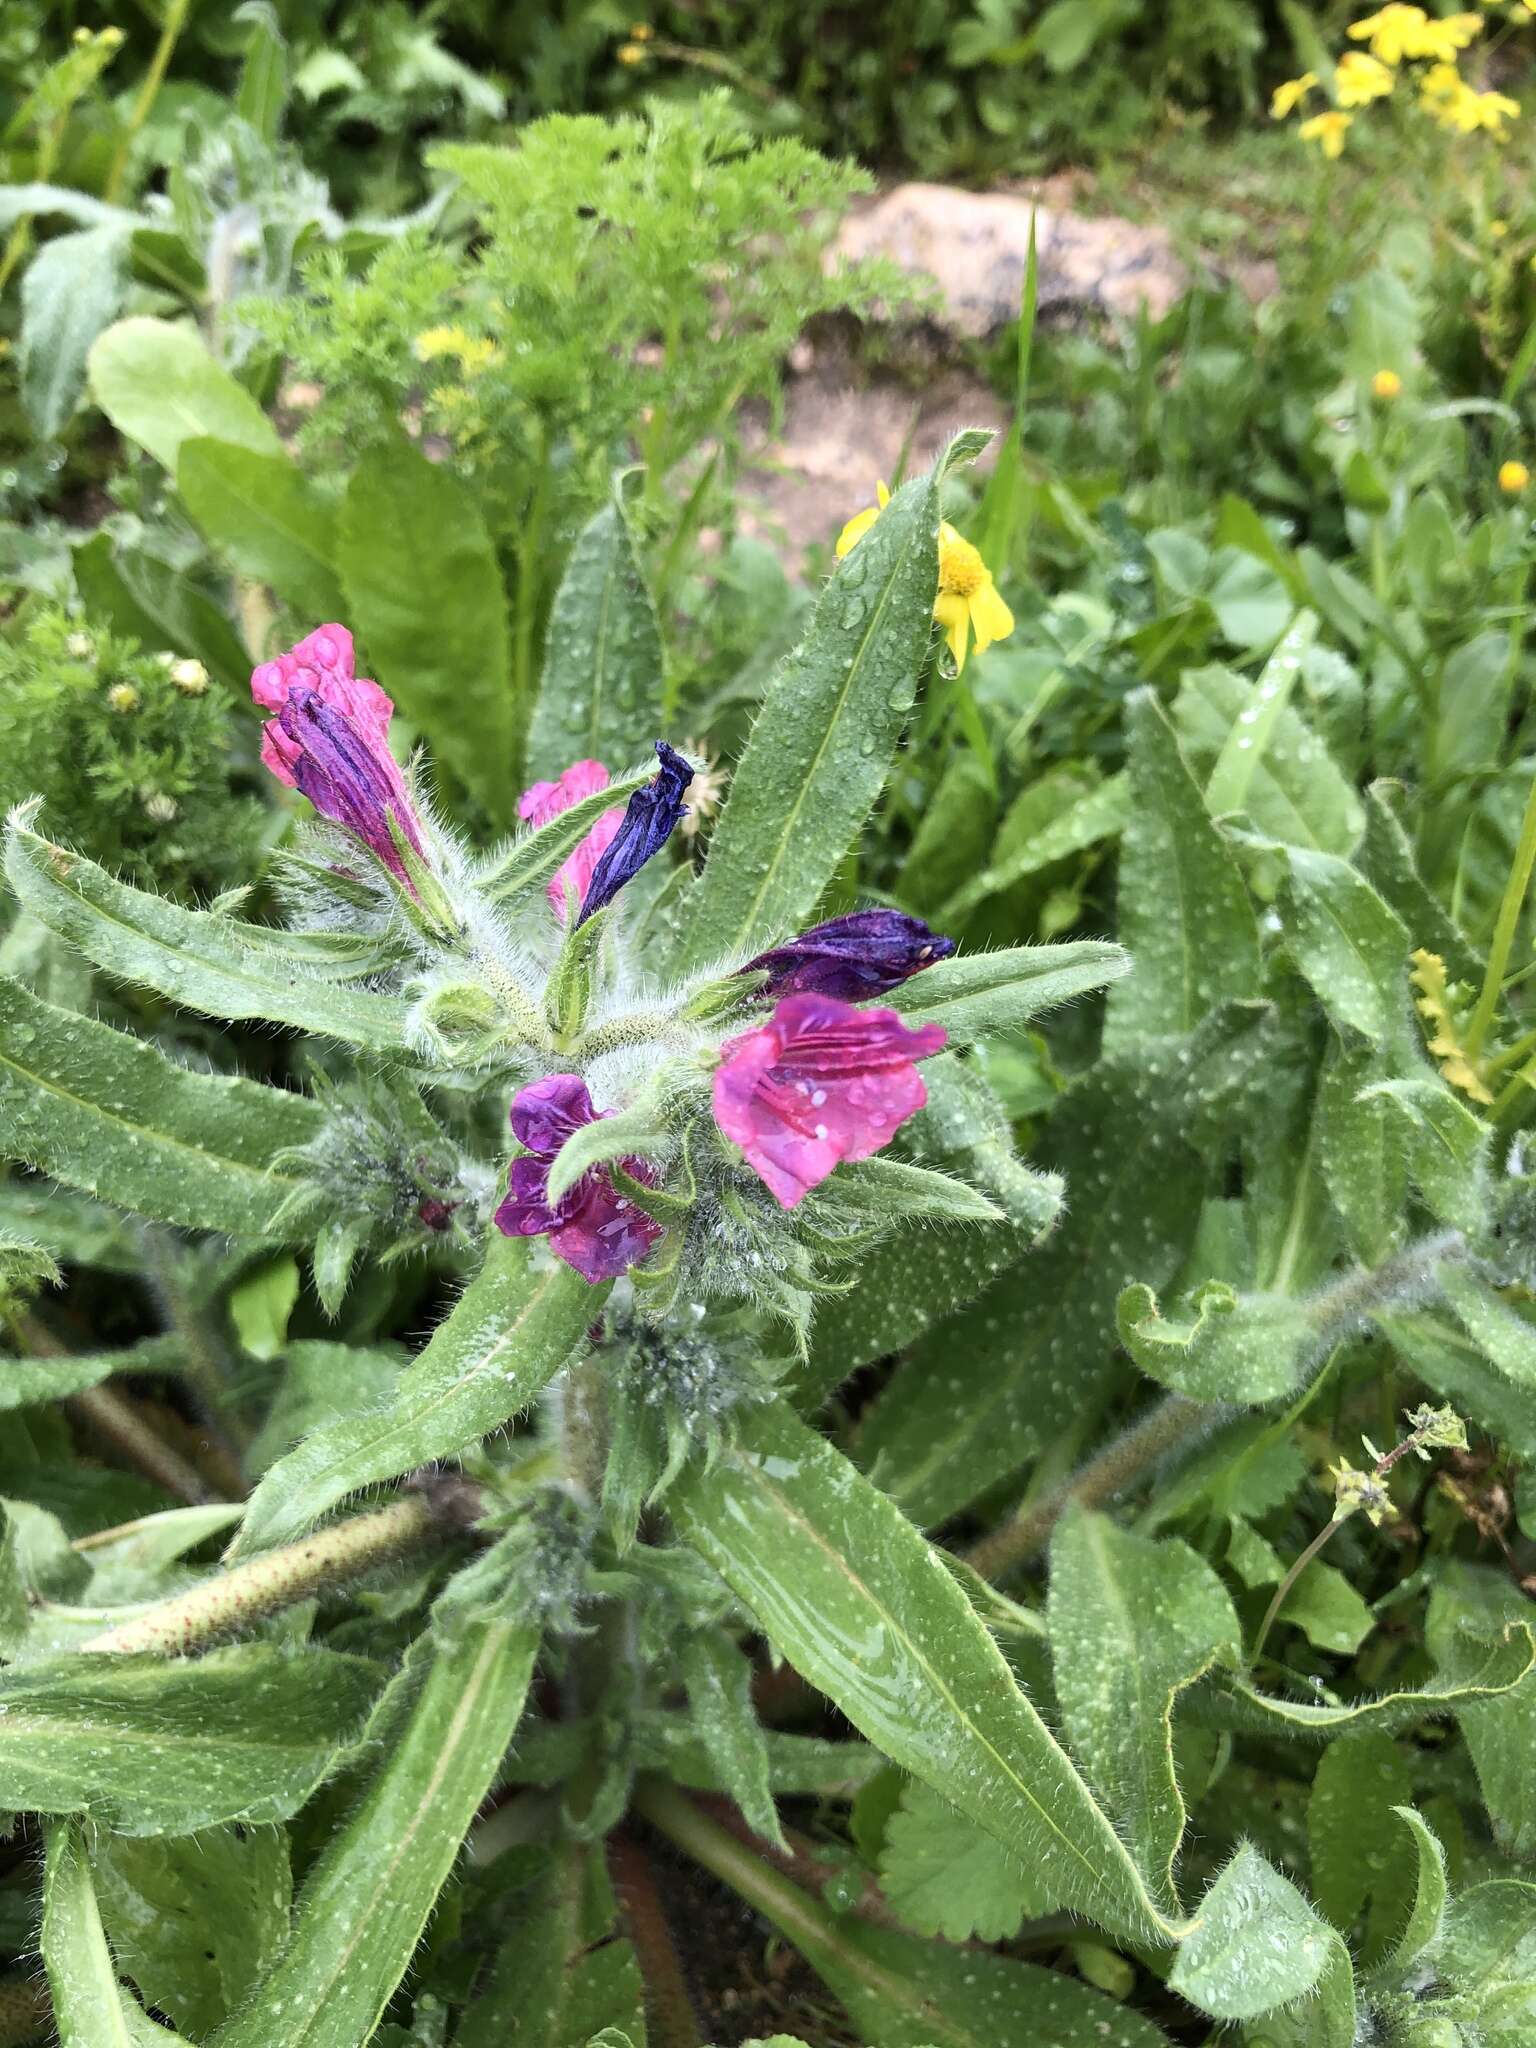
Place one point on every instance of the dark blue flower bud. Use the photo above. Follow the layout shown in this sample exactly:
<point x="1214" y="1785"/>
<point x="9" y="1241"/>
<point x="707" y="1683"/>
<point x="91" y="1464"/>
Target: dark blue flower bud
<point x="861" y="955"/>
<point x="648" y="821"/>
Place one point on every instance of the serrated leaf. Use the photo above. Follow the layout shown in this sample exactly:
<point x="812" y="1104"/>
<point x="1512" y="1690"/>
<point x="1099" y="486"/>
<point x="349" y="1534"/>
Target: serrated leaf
<point x="159" y="386"/>
<point x="821" y="748"/>
<point x="826" y="1563"/>
<point x="72" y="289"/>
<point x="1133" y="1623"/>
<point x="442" y="1729"/>
<point x="943" y="1875"/>
<point x="91" y="2009"/>
<point x="265" y="518"/>
<point x="1256" y="1943"/>
<point x="425" y="597"/>
<point x="110" y="1114"/>
<point x="1239" y="1347"/>
<point x="719" y="1681"/>
<point x="194" y="1919"/>
<point x="514" y="1329"/>
<point x="1185" y="917"/>
<point x="217" y="965"/>
<point x="151" y="1747"/>
<point x="600" y="695"/>
<point x="978" y="995"/>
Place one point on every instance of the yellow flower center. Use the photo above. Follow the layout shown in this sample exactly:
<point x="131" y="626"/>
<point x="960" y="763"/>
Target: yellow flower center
<point x="962" y="572"/>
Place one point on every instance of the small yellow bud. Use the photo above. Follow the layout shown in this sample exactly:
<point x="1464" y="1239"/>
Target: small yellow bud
<point x="1498" y="229"/>
<point x="80" y="646"/>
<point x="1387" y="384"/>
<point x="123" y="697"/>
<point x="641" y="31"/>
<point x="1513" y="478"/>
<point x="190" y="677"/>
<point x="631" y="53"/>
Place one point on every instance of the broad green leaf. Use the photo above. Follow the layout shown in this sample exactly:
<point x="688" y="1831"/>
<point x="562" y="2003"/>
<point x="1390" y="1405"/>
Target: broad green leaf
<point x="1239" y="1347"/>
<point x="719" y="1681"/>
<point x="194" y="1919"/>
<point x="265" y="519"/>
<point x="111" y="1114"/>
<point x="72" y="288"/>
<point x="559" y="1978"/>
<point x="91" y="2009"/>
<point x="978" y="995"/>
<point x="1293" y="791"/>
<point x="425" y="597"/>
<point x="214" y="964"/>
<point x="1503" y="1335"/>
<point x="1099" y="814"/>
<point x="1185" y="917"/>
<point x="154" y="1747"/>
<point x="1351" y="947"/>
<point x="1256" y="1943"/>
<point x="1328" y="1610"/>
<point x="1133" y="1623"/>
<point x="261" y="1302"/>
<point x="600" y="697"/>
<point x="1355" y="1837"/>
<point x="1445" y="1146"/>
<point x="514" y="1329"/>
<point x="159" y="386"/>
<point x="440" y="1733"/>
<point x="944" y="1876"/>
<point x="821" y="748"/>
<point x="848" y="1591"/>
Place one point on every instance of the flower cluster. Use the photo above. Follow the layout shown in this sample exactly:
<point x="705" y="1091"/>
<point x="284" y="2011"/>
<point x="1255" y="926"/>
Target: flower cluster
<point x="806" y="1080"/>
<point x="1398" y="41"/>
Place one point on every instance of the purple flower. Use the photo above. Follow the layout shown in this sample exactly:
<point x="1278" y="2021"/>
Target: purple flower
<point x="648" y="821"/>
<point x="819" y="1083"/>
<point x="592" y="1227"/>
<point x="329" y="739"/>
<point x="862" y="955"/>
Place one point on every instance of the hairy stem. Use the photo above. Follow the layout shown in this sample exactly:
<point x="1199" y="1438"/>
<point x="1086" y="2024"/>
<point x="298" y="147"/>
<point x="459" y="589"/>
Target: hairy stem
<point x="250" y="1592"/>
<point x="1282" y="1591"/>
<point x="668" y="2007"/>
<point x="125" y="1429"/>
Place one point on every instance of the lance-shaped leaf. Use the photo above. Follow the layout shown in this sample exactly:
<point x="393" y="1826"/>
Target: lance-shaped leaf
<point x="533" y="857"/>
<point x="845" y="1588"/>
<point x="112" y="1115"/>
<point x="266" y="519"/>
<point x="425" y="597"/>
<point x="600" y="696"/>
<point x="71" y="289"/>
<point x="214" y="964"/>
<point x="1362" y="1154"/>
<point x="1256" y="1943"/>
<point x="517" y="1325"/>
<point x="1444" y="1143"/>
<point x="1501" y="1332"/>
<point x="978" y="995"/>
<point x="1426" y="1916"/>
<point x="1352" y="947"/>
<point x="821" y="748"/>
<point x="91" y="2009"/>
<point x="1238" y="1347"/>
<point x="1133" y="1623"/>
<point x="25" y="1380"/>
<point x="1099" y="814"/>
<point x="719" y="1681"/>
<point x="151" y="1747"/>
<point x="1185" y="917"/>
<point x="439" y="1734"/>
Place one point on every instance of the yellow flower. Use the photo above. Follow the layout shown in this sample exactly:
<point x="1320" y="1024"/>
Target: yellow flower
<point x="1443" y="35"/>
<point x="1387" y="384"/>
<point x="469" y="350"/>
<point x="1513" y="478"/>
<point x="631" y="53"/>
<point x="967" y="600"/>
<point x="1328" y="131"/>
<point x="1289" y="96"/>
<point x="1397" y="32"/>
<point x="1454" y="104"/>
<point x="123" y="697"/>
<point x="1360" y="79"/>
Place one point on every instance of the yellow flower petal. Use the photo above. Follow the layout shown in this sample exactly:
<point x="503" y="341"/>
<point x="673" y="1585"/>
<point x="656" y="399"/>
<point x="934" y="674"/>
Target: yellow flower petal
<point x="855" y="530"/>
<point x="990" y="616"/>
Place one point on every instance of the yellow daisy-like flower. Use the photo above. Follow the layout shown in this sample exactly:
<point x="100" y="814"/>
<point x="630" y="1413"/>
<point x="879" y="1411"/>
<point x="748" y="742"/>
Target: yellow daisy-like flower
<point x="1327" y="131"/>
<point x="1360" y="79"/>
<point x="1387" y="384"/>
<point x="1442" y="36"/>
<point x="967" y="602"/>
<point x="1397" y="32"/>
<point x="470" y="351"/>
<point x="1288" y="97"/>
<point x="1513" y="478"/>
<point x="1449" y="100"/>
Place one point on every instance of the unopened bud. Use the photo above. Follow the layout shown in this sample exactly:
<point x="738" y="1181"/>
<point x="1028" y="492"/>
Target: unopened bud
<point x="162" y="808"/>
<point x="123" y="697"/>
<point x="80" y="646"/>
<point x="190" y="677"/>
<point x="461" y="1021"/>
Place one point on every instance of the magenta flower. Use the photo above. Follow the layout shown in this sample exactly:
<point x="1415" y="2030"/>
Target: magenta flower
<point x="819" y="1083"/>
<point x="864" y="954"/>
<point x="547" y="800"/>
<point x="330" y="740"/>
<point x="592" y="1227"/>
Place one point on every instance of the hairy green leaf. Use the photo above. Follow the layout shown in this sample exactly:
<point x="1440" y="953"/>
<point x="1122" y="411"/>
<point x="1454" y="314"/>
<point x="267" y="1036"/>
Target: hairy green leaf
<point x="719" y="1682"/>
<point x="977" y="995"/>
<point x="1256" y="1943"/>
<point x="91" y="2009"/>
<point x="1240" y="1347"/>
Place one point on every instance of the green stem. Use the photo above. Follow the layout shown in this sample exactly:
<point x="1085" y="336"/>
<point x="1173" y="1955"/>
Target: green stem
<point x="175" y="21"/>
<point x="529" y="588"/>
<point x="1511" y="1056"/>
<point x="250" y="1592"/>
<point x="1323" y="1536"/>
<point x="1512" y="903"/>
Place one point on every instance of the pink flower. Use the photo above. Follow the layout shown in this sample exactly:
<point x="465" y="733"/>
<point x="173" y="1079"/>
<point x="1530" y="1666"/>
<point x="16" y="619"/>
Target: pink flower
<point x="321" y="662"/>
<point x="592" y="1227"/>
<point x="547" y="800"/>
<point x="820" y="1082"/>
